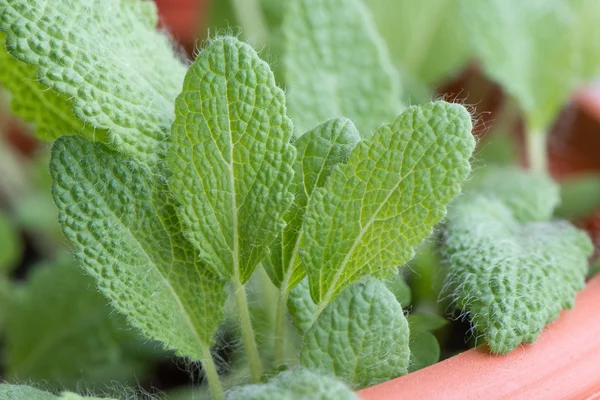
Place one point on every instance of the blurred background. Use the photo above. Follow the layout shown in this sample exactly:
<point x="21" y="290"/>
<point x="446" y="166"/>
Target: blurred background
<point x="103" y="351"/>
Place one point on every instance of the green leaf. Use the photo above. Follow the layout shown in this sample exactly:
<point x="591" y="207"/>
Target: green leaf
<point x="336" y="64"/>
<point x="50" y="113"/>
<point x="295" y="385"/>
<point x="22" y="392"/>
<point x="10" y="245"/>
<point x="387" y="198"/>
<point x="425" y="40"/>
<point x="424" y="351"/>
<point x="580" y="196"/>
<point x="126" y="234"/>
<point x="319" y="150"/>
<point x="106" y="62"/>
<point x="398" y="286"/>
<point x="73" y="396"/>
<point x="422" y="322"/>
<point x="530" y="195"/>
<point x="512" y="277"/>
<point x="301" y="306"/>
<point x="538" y="50"/>
<point x="361" y="337"/>
<point x="424" y="347"/>
<point x="231" y="158"/>
<point x="60" y="330"/>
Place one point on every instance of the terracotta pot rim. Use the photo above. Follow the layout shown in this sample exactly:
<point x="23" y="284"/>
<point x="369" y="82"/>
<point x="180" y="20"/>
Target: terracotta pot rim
<point x="564" y="363"/>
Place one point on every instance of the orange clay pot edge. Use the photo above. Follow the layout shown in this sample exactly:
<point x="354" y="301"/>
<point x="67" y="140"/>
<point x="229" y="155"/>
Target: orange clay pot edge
<point x="589" y="98"/>
<point x="564" y="363"/>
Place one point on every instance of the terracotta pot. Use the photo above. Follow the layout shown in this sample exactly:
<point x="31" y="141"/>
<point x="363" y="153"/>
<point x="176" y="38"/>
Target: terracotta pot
<point x="564" y="363"/>
<point x="182" y="19"/>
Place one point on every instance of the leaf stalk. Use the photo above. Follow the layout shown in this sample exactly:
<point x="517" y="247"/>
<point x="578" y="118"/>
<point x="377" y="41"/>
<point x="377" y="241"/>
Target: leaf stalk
<point x="248" y="337"/>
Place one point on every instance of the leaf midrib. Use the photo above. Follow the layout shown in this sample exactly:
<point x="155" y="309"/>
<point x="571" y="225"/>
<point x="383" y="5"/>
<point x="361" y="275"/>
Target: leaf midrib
<point x="342" y="266"/>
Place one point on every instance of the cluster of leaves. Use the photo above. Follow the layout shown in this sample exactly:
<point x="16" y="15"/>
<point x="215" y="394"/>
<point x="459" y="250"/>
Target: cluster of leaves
<point x="177" y="184"/>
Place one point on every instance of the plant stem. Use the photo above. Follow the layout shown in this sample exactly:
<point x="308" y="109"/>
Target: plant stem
<point x="210" y="371"/>
<point x="537" y="155"/>
<point x="249" y="15"/>
<point x="280" y="324"/>
<point x="247" y="332"/>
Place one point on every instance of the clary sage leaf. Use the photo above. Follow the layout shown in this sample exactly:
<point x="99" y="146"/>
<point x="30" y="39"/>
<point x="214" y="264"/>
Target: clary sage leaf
<point x="295" y="385"/>
<point x="512" y="275"/>
<point x="118" y="75"/>
<point x="361" y="337"/>
<point x="386" y="198"/>
<point x="231" y="158"/>
<point x="126" y="234"/>
<point x="336" y="63"/>
<point x="319" y="150"/>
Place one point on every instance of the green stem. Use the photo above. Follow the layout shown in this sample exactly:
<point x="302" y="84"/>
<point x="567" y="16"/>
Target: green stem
<point x="280" y="324"/>
<point x="249" y="15"/>
<point x="537" y="154"/>
<point x="247" y="332"/>
<point x="210" y="371"/>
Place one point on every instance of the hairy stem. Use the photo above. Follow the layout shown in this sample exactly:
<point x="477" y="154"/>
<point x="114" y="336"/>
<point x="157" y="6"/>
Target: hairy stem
<point x="248" y="337"/>
<point x="210" y="371"/>
<point x="280" y="324"/>
<point x="537" y="155"/>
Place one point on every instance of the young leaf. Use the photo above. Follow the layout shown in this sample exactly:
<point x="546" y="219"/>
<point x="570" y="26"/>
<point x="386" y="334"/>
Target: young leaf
<point x="59" y="329"/>
<point x="530" y="195"/>
<point x="420" y="323"/>
<point x="50" y="113"/>
<point x="126" y="234"/>
<point x="424" y="351"/>
<point x="119" y="73"/>
<point x="425" y="41"/>
<point x="231" y="158"/>
<point x="319" y="150"/>
<point x="337" y="64"/>
<point x="424" y="347"/>
<point x="398" y="286"/>
<point x="387" y="198"/>
<point x="361" y="337"/>
<point x="295" y="385"/>
<point x="539" y="50"/>
<point x="301" y="306"/>
<point x="512" y="277"/>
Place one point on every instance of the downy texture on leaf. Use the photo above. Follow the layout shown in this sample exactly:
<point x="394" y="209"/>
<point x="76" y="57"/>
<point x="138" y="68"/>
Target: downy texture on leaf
<point x="231" y="158"/>
<point x="23" y="392"/>
<point x="126" y="234"/>
<point x="298" y="384"/>
<point x="424" y="38"/>
<point x="319" y="150"/>
<point x="539" y="50"/>
<point x="301" y="306"/>
<point x="531" y="195"/>
<point x="361" y="337"/>
<point x="336" y="64"/>
<point x="387" y="198"/>
<point x="104" y="56"/>
<point x="512" y="277"/>
<point x="50" y="113"/>
<point x="60" y="330"/>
